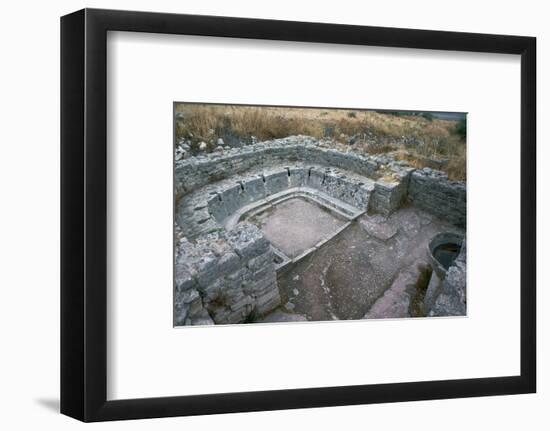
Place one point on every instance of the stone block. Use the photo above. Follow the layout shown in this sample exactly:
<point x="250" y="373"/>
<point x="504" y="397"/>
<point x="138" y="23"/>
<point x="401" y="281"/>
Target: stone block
<point x="298" y="176"/>
<point x="255" y="188"/>
<point x="432" y="292"/>
<point x="183" y="277"/>
<point x="276" y="182"/>
<point x="217" y="209"/>
<point x="379" y="229"/>
<point x="261" y="261"/>
<point x="432" y="191"/>
<point x="247" y="241"/>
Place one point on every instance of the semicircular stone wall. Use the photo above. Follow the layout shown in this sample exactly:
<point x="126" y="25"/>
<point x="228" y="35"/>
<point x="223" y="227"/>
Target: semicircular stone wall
<point x="225" y="270"/>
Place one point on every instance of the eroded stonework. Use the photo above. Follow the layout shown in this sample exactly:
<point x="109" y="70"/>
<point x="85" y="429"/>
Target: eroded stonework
<point x="433" y="191"/>
<point x="451" y="300"/>
<point x="224" y="277"/>
<point x="226" y="270"/>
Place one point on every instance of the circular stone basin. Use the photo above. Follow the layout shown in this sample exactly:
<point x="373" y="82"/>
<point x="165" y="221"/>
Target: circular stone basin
<point x="443" y="249"/>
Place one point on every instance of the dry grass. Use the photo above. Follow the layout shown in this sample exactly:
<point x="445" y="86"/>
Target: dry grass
<point x="375" y="132"/>
<point x="204" y="121"/>
<point x="448" y="155"/>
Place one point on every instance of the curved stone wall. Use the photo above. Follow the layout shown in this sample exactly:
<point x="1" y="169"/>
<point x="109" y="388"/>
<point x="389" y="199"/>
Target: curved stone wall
<point x="195" y="172"/>
<point x="334" y="183"/>
<point x="207" y="187"/>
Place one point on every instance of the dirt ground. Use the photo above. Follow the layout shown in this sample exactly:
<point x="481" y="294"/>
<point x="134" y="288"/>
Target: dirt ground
<point x="347" y="275"/>
<point x="295" y="225"/>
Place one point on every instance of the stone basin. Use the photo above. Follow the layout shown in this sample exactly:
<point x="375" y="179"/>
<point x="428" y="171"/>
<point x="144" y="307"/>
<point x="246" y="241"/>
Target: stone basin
<point x="443" y="249"/>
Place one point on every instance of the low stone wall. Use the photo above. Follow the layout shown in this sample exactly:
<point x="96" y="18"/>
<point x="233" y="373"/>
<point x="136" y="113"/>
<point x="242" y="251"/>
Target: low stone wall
<point x="224" y="277"/>
<point x="433" y="191"/>
<point x="250" y="189"/>
<point x="211" y="187"/>
<point x="196" y="172"/>
<point x="390" y="194"/>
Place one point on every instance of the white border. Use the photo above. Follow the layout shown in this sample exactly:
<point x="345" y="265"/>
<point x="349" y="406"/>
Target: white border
<point x="147" y="357"/>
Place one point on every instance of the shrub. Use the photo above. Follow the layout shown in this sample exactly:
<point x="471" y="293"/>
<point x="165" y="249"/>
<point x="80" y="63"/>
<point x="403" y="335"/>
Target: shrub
<point x="461" y="128"/>
<point x="328" y="131"/>
<point x="428" y="116"/>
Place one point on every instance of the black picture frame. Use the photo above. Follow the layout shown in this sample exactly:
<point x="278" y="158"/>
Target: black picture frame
<point x="84" y="214"/>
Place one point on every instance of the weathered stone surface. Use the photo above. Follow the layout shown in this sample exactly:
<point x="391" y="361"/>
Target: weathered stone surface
<point x="443" y="239"/>
<point x="281" y="165"/>
<point x="432" y="292"/>
<point x="224" y="277"/>
<point x="187" y="305"/>
<point x="201" y="318"/>
<point x="391" y="194"/>
<point x="279" y="316"/>
<point x="195" y="172"/>
<point x="379" y="229"/>
<point x="396" y="301"/>
<point x="229" y="196"/>
<point x="247" y="240"/>
<point x="184" y="279"/>
<point x="260" y="261"/>
<point x="268" y="301"/>
<point x="434" y="192"/>
<point x="452" y="300"/>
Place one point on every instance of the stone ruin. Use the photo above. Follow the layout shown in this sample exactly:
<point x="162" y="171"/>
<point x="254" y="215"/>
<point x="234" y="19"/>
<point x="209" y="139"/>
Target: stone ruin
<point x="227" y="270"/>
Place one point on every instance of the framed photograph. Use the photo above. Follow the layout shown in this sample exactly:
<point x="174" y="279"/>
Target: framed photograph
<point x="261" y="215"/>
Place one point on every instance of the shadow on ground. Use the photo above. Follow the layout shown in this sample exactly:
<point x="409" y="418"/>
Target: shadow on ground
<point x="51" y="404"/>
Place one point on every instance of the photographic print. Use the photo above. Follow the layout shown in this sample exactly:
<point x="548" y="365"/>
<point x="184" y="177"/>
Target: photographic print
<point x="290" y="214"/>
<point x="292" y="223"/>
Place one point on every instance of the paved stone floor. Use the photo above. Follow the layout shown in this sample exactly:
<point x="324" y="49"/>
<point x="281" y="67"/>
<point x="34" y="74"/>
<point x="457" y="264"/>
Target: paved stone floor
<point x="295" y="225"/>
<point x="344" y="278"/>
